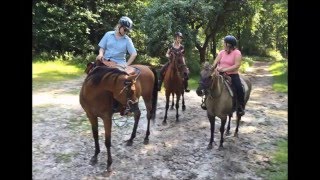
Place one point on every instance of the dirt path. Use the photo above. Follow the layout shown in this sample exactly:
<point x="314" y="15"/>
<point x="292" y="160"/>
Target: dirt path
<point x="63" y="143"/>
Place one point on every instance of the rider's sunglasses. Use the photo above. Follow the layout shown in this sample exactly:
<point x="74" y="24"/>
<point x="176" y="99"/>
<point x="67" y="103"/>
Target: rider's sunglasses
<point x="125" y="29"/>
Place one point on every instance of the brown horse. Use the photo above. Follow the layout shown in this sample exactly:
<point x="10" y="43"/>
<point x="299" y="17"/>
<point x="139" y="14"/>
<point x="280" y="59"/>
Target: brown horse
<point x="173" y="83"/>
<point x="219" y="101"/>
<point x="102" y="85"/>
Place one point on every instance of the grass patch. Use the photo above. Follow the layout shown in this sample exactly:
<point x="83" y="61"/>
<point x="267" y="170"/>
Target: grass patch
<point x="194" y="82"/>
<point x="278" y="170"/>
<point x="53" y="71"/>
<point x="279" y="70"/>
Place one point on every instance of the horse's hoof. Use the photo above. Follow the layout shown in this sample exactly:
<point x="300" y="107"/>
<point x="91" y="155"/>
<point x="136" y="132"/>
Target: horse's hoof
<point x="204" y="107"/>
<point x="228" y="133"/>
<point x="209" y="146"/>
<point x="221" y="147"/>
<point x="129" y="143"/>
<point x="93" y="161"/>
<point x="236" y="135"/>
<point x="183" y="108"/>
<point x="164" y="123"/>
<point x="146" y="141"/>
<point x="107" y="173"/>
<point x="172" y="108"/>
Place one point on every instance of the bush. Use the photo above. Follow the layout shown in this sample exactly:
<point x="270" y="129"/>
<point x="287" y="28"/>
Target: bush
<point x="274" y="54"/>
<point x="147" y="60"/>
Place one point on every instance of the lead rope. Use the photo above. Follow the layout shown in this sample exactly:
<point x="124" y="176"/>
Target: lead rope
<point x="125" y="122"/>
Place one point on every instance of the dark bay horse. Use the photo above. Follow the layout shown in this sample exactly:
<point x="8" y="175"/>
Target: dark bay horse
<point x="219" y="101"/>
<point x="173" y="83"/>
<point x="102" y="85"/>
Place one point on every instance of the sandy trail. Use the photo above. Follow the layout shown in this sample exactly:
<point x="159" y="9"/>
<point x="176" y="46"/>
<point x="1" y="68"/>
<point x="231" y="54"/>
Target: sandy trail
<point x="62" y="143"/>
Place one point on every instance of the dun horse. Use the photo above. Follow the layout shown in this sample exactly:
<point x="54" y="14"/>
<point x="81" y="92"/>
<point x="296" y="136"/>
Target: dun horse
<point x="219" y="101"/>
<point x="102" y="85"/>
<point x="173" y="83"/>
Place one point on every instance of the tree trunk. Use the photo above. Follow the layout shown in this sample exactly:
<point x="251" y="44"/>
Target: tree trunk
<point x="202" y="53"/>
<point x="239" y="42"/>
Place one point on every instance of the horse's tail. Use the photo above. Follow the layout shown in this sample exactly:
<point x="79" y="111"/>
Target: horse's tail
<point x="154" y="95"/>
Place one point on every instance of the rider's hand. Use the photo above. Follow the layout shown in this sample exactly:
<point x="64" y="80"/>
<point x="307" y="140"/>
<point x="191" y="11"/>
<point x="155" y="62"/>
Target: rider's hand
<point x="99" y="57"/>
<point x="221" y="69"/>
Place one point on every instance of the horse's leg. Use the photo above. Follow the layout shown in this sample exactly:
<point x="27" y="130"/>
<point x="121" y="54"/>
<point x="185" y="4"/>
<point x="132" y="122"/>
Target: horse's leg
<point x="137" y="114"/>
<point x="107" y="129"/>
<point x="183" y="105"/>
<point x="172" y="102"/>
<point x="177" y="108"/>
<point x="228" y="128"/>
<point x="223" y="123"/>
<point x="94" y="127"/>
<point x="212" y="123"/>
<point x="237" y="127"/>
<point x="149" y="116"/>
<point x="164" y="122"/>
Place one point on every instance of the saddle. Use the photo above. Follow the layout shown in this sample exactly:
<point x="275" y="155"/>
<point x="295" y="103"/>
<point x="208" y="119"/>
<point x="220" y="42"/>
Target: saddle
<point x="91" y="65"/>
<point x="227" y="81"/>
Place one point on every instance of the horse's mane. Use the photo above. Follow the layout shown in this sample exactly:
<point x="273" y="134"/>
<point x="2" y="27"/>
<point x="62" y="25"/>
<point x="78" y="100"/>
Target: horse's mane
<point x="98" y="73"/>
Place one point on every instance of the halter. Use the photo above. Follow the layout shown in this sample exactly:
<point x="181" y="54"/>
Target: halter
<point x="127" y="86"/>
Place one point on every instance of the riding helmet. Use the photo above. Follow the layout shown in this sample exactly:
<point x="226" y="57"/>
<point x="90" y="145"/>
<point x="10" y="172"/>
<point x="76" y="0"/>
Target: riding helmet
<point x="126" y="22"/>
<point x="178" y="34"/>
<point x="230" y="40"/>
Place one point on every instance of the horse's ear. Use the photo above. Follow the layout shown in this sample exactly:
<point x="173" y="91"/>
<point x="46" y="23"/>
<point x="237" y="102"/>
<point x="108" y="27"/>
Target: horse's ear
<point x="89" y="67"/>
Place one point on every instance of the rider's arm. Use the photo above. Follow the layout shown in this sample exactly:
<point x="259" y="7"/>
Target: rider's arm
<point x="167" y="54"/>
<point x="216" y="60"/>
<point x="101" y="53"/>
<point x="132" y="58"/>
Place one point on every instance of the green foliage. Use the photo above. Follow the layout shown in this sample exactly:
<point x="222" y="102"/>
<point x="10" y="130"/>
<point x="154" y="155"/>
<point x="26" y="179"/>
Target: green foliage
<point x="77" y="26"/>
<point x="194" y="81"/>
<point x="147" y="60"/>
<point x="192" y="61"/>
<point x="274" y="54"/>
<point x="278" y="169"/>
<point x="164" y="18"/>
<point x="268" y="29"/>
<point x="279" y="70"/>
<point x="246" y="63"/>
<point x="61" y="28"/>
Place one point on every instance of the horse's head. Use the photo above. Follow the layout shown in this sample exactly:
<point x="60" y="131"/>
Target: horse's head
<point x="129" y="93"/>
<point x="176" y="59"/>
<point x="173" y="61"/>
<point x="172" y="57"/>
<point x="205" y="78"/>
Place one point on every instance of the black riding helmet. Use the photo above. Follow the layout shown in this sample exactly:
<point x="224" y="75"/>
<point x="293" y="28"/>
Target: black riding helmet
<point x="230" y="40"/>
<point x="178" y="34"/>
<point x="126" y="22"/>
